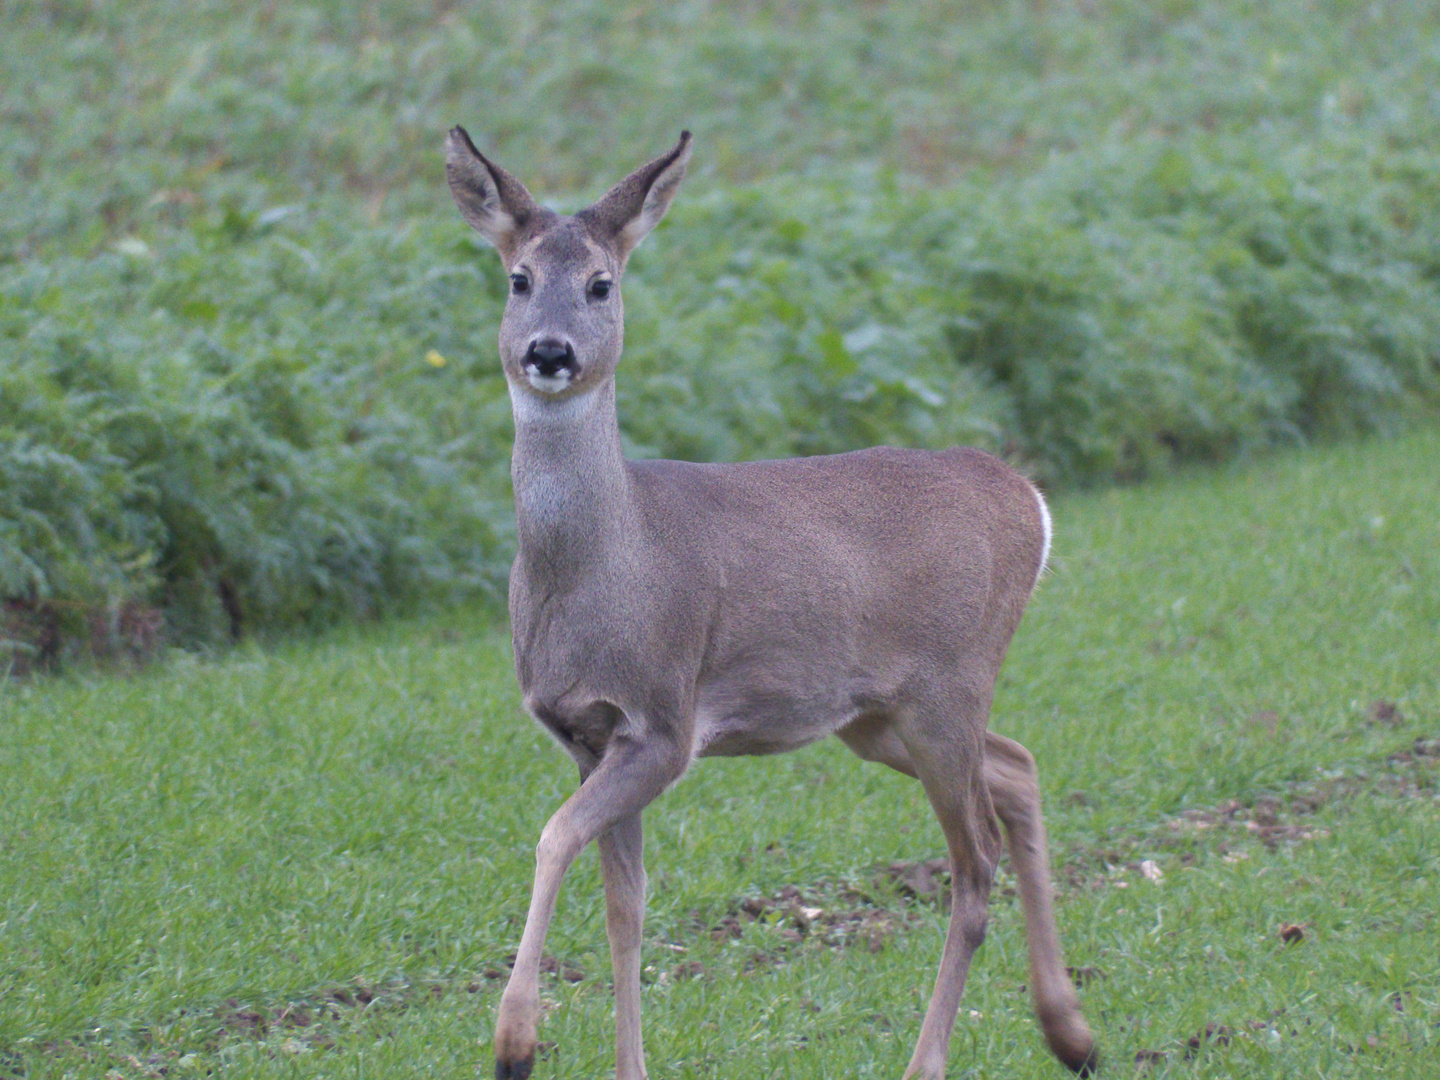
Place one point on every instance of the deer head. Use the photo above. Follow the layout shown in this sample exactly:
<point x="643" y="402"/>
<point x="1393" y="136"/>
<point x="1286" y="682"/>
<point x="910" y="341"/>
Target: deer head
<point x="563" y="326"/>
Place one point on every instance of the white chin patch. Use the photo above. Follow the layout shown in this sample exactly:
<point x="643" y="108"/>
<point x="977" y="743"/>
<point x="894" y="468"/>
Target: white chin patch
<point x="547" y="384"/>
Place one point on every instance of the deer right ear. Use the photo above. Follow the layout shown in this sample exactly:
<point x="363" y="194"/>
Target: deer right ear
<point x="629" y="210"/>
<point x="495" y="204"/>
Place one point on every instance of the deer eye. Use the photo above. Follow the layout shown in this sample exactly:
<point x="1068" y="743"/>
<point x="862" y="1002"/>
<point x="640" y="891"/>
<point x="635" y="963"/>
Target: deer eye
<point x="519" y="284"/>
<point x="600" y="288"/>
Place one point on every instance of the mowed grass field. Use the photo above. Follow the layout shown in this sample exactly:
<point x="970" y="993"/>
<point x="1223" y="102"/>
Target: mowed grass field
<point x="314" y="861"/>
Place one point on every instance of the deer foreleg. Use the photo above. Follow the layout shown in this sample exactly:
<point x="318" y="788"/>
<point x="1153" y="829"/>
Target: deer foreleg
<point x="622" y="860"/>
<point x="627" y="778"/>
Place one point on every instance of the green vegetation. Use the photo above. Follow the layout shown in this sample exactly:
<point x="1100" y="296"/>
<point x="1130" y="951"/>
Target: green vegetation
<point x="304" y="862"/>
<point x="1101" y="237"/>
<point x="247" y="381"/>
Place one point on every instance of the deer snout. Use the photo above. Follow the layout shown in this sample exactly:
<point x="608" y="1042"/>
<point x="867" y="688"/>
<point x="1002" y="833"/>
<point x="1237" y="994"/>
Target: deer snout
<point x="550" y="364"/>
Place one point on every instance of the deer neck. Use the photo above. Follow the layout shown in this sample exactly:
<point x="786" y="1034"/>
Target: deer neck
<point x="573" y="502"/>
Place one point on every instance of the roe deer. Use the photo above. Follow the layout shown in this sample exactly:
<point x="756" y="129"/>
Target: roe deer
<point x="665" y="610"/>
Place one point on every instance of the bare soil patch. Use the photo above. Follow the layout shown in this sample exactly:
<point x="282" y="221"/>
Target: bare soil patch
<point x="1276" y="819"/>
<point x="828" y="915"/>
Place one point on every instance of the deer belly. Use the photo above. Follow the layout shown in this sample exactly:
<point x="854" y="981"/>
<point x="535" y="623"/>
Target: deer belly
<point x="769" y="727"/>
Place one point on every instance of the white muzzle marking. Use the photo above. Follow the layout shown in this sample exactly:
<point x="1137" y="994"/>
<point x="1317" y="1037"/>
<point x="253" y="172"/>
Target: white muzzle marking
<point x="548" y="384"/>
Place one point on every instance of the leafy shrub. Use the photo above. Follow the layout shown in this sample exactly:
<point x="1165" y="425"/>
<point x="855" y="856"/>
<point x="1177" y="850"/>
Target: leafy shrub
<point x="1102" y="319"/>
<point x="247" y="372"/>
<point x="230" y="458"/>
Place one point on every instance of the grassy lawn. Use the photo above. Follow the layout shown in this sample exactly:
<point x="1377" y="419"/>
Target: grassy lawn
<point x="313" y="861"/>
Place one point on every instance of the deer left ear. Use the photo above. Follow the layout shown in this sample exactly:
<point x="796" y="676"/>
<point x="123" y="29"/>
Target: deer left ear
<point x="634" y="206"/>
<point x="495" y="204"/>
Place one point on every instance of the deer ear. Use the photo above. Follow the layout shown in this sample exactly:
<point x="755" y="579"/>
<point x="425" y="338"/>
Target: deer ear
<point x="633" y="207"/>
<point x="495" y="204"/>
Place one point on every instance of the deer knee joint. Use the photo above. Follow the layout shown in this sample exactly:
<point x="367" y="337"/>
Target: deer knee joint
<point x="553" y="847"/>
<point x="973" y="925"/>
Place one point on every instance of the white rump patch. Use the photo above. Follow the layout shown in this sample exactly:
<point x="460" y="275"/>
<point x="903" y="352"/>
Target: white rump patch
<point x="1047" y="529"/>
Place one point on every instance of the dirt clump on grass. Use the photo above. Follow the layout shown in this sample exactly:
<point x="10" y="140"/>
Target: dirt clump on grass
<point x="310" y="1022"/>
<point x="927" y="879"/>
<point x="1216" y="1034"/>
<point x="1384" y="714"/>
<point x="1275" y="819"/>
<point x="1270" y="819"/>
<point x="240" y="1020"/>
<point x="826" y="915"/>
<point x="1292" y="933"/>
<point x="1423" y="750"/>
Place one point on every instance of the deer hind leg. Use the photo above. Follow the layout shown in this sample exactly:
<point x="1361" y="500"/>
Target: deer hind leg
<point x="1015" y="793"/>
<point x="625" y="781"/>
<point x="948" y="761"/>
<point x="871" y="737"/>
<point x="622" y="860"/>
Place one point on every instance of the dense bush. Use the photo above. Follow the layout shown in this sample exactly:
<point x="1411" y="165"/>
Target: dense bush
<point x="1100" y="319"/>
<point x="225" y="430"/>
<point x="250" y="381"/>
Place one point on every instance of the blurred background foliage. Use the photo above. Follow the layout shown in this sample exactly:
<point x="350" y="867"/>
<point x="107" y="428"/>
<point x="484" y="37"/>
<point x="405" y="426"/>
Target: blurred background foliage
<point x="247" y="371"/>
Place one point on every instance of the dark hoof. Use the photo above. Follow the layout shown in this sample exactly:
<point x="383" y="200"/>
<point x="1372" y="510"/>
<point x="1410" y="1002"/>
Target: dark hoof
<point x="515" y="1070"/>
<point x="1088" y="1065"/>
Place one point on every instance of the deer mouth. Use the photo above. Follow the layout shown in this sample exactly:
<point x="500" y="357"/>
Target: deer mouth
<point x="548" y="384"/>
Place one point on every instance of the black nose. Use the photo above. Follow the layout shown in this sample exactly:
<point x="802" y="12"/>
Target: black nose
<point x="549" y="357"/>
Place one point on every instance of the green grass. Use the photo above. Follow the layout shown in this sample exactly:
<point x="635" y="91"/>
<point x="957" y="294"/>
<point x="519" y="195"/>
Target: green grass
<point x="319" y="97"/>
<point x="1105" y="238"/>
<point x="195" y="857"/>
